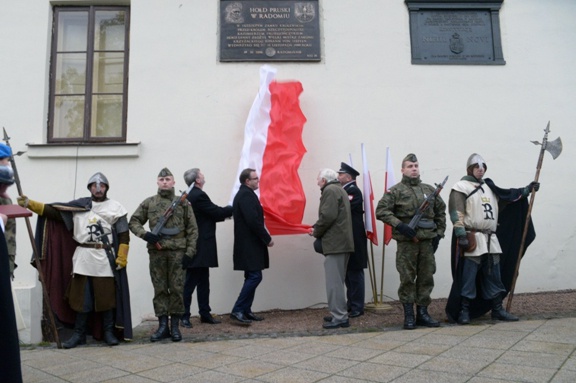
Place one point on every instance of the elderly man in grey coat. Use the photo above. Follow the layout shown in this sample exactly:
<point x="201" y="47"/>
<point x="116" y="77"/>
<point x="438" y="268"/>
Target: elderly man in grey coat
<point x="334" y="228"/>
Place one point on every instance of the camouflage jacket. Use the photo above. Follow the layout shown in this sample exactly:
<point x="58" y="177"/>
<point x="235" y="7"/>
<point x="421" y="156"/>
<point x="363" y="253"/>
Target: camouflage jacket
<point x="401" y="204"/>
<point x="152" y="208"/>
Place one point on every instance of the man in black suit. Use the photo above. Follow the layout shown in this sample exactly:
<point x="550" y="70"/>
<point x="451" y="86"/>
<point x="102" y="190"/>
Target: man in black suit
<point x="251" y="242"/>
<point x="355" y="288"/>
<point x="198" y="268"/>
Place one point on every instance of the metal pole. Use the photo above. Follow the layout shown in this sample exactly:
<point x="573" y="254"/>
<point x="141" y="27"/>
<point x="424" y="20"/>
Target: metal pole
<point x="37" y="263"/>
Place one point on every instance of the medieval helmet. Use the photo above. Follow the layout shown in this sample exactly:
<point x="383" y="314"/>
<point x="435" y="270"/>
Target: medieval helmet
<point x="98" y="178"/>
<point x="6" y="175"/>
<point x="476" y="159"/>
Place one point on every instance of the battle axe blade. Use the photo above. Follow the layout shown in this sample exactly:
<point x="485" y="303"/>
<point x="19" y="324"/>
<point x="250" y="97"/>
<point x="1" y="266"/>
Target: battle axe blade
<point x="554" y="147"/>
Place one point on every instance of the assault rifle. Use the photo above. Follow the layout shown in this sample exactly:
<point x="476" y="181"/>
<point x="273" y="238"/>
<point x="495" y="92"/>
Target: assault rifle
<point x="159" y="228"/>
<point x="107" y="245"/>
<point x="420" y="212"/>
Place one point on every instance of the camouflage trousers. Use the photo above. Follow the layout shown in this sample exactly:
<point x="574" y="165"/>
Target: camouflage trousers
<point x="168" y="281"/>
<point x="416" y="265"/>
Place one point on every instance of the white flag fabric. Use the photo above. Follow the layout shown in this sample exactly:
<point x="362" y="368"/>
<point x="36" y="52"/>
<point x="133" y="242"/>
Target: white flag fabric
<point x="256" y="128"/>
<point x="369" y="214"/>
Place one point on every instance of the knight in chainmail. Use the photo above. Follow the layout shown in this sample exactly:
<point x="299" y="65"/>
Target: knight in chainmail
<point x="474" y="206"/>
<point x="95" y="279"/>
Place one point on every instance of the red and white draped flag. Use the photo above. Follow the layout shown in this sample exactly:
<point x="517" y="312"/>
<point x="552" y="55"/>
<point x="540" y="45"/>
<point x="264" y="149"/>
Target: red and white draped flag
<point x="273" y="147"/>
<point x="369" y="215"/>
<point x="389" y="181"/>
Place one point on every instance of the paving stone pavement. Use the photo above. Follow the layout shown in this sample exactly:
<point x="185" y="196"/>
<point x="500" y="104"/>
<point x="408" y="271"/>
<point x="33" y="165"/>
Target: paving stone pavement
<point x="526" y="351"/>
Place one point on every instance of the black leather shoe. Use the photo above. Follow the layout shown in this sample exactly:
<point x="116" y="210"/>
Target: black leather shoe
<point x="185" y="322"/>
<point x="209" y="319"/>
<point x="332" y="325"/>
<point x="355" y="314"/>
<point x="328" y="318"/>
<point x="253" y="317"/>
<point x="239" y="317"/>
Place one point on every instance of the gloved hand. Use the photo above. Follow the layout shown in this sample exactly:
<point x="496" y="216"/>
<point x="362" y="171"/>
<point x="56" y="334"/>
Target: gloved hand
<point x="406" y="230"/>
<point x="463" y="243"/>
<point x="151" y="238"/>
<point x="34" y="206"/>
<point x="22" y="201"/>
<point x="435" y="243"/>
<point x="533" y="186"/>
<point x="122" y="256"/>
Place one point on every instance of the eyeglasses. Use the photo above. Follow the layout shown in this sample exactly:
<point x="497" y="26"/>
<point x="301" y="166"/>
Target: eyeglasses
<point x="254" y="179"/>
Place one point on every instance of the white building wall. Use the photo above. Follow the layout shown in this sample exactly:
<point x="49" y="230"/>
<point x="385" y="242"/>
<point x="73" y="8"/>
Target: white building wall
<point x="186" y="109"/>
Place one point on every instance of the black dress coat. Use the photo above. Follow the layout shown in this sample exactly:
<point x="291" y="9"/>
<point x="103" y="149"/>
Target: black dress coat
<point x="359" y="258"/>
<point x="207" y="215"/>
<point x="251" y="238"/>
<point x="10" y="370"/>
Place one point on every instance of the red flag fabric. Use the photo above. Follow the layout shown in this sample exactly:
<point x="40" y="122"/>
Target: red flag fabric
<point x="369" y="214"/>
<point x="389" y="181"/>
<point x="281" y="192"/>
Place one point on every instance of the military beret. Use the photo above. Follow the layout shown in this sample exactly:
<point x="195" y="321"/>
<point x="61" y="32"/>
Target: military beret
<point x="5" y="151"/>
<point x="165" y="173"/>
<point x="345" y="168"/>
<point x="410" y="157"/>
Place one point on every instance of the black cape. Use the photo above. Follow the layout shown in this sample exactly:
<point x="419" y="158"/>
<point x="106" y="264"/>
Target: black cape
<point x="10" y="369"/>
<point x="56" y="247"/>
<point x="511" y="222"/>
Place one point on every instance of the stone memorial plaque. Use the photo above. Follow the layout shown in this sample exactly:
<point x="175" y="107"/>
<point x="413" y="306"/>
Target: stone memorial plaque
<point x="455" y="36"/>
<point x="269" y="30"/>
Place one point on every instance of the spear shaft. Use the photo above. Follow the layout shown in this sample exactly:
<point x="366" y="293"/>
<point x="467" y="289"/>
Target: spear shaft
<point x="528" y="218"/>
<point x="37" y="263"/>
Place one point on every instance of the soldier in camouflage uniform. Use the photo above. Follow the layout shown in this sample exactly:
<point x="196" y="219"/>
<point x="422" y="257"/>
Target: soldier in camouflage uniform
<point x="415" y="247"/>
<point x="10" y="232"/>
<point x="177" y="240"/>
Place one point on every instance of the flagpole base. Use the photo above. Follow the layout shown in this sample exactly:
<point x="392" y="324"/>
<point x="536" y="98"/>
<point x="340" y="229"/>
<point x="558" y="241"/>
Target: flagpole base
<point x="377" y="306"/>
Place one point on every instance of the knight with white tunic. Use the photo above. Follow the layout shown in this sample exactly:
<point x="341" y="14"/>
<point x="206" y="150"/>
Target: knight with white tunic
<point x="473" y="207"/>
<point x="100" y="228"/>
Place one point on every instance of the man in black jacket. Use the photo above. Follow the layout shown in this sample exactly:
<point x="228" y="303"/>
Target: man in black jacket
<point x="251" y="242"/>
<point x="198" y="268"/>
<point x="355" y="285"/>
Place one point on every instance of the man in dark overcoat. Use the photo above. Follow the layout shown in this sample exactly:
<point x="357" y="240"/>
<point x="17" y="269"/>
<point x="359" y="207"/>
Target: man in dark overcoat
<point x="251" y="242"/>
<point x="198" y="268"/>
<point x="10" y="369"/>
<point x="355" y="285"/>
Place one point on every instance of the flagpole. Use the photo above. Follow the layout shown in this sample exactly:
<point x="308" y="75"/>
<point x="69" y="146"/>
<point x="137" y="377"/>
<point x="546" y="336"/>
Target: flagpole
<point x="382" y="272"/>
<point x="377" y="304"/>
<point x="372" y="275"/>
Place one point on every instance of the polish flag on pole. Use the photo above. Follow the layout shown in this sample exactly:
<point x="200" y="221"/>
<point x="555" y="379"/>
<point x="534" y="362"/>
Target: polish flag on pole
<point x="389" y="181"/>
<point x="369" y="215"/>
<point x="273" y="147"/>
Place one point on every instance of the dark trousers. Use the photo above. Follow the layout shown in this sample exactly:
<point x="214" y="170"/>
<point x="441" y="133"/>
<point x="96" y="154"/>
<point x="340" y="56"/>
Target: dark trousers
<point x="490" y="278"/>
<point x="355" y="290"/>
<point x="197" y="277"/>
<point x="251" y="281"/>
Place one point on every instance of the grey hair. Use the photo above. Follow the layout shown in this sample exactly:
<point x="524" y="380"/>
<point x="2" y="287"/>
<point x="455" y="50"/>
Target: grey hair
<point x="328" y="174"/>
<point x="190" y="176"/>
